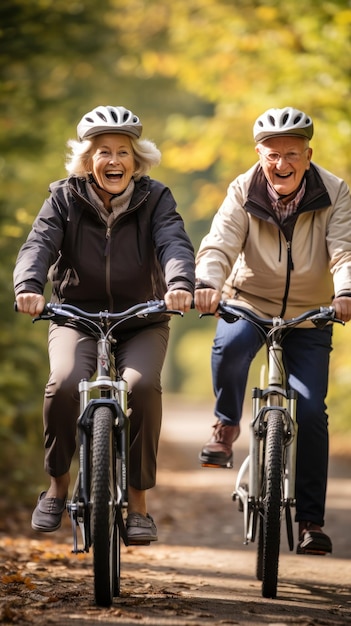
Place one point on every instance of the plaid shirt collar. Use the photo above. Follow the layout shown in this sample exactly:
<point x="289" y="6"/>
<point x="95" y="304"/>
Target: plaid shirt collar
<point x="282" y="210"/>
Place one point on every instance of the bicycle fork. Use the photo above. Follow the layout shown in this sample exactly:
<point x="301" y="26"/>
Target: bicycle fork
<point x="249" y="478"/>
<point x="114" y="394"/>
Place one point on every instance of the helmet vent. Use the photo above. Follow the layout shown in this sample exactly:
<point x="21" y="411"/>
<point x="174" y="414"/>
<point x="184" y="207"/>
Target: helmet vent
<point x="114" y="116"/>
<point x="297" y="119"/>
<point x="101" y="116"/>
<point x="272" y="120"/>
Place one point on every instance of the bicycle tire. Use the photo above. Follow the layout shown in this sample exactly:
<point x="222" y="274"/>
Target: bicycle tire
<point x="272" y="500"/>
<point x="259" y="559"/>
<point x="105" y="530"/>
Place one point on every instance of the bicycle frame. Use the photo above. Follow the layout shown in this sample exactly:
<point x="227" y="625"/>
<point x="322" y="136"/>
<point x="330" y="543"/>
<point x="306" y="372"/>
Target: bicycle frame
<point x="275" y="396"/>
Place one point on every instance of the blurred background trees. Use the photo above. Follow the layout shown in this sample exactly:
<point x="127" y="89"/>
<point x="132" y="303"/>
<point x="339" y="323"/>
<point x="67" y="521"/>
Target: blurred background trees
<point x="198" y="73"/>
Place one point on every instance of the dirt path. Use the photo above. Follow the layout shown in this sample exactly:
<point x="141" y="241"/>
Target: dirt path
<point x="199" y="572"/>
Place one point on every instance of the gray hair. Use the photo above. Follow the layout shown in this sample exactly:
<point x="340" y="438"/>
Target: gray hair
<point x="146" y="155"/>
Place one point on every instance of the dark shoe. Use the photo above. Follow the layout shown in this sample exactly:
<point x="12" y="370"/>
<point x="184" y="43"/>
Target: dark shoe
<point x="312" y="540"/>
<point x="141" y="529"/>
<point x="217" y="452"/>
<point x="47" y="514"/>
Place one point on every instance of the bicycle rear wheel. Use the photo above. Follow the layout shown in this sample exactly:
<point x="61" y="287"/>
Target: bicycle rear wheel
<point x="272" y="499"/>
<point x="105" y="530"/>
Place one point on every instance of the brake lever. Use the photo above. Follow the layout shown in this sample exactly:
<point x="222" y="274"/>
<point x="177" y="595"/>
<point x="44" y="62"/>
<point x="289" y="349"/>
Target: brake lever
<point x="321" y="321"/>
<point x="337" y="321"/>
<point x="43" y="316"/>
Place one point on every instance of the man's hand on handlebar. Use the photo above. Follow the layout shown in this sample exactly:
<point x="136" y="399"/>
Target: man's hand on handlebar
<point x="342" y="306"/>
<point x="179" y="300"/>
<point x="30" y="303"/>
<point x="206" y="300"/>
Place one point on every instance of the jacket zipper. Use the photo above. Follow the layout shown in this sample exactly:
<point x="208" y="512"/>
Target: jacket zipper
<point x="108" y="257"/>
<point x="108" y="267"/>
<point x="289" y="269"/>
<point x="108" y="241"/>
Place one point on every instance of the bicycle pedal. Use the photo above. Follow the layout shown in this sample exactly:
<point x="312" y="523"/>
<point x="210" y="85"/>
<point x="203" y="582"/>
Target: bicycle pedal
<point x="228" y="465"/>
<point x="313" y="552"/>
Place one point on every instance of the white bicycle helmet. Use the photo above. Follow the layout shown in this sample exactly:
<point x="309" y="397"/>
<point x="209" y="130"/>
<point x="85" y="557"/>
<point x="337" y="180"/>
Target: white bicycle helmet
<point x="288" y="121"/>
<point x="108" y="119"/>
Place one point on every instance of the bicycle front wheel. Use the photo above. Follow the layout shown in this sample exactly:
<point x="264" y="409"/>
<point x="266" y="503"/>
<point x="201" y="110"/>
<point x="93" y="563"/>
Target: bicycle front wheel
<point x="272" y="501"/>
<point x="105" y="530"/>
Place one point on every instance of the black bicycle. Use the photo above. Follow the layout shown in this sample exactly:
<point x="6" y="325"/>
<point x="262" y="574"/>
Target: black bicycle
<point x="98" y="506"/>
<point x="265" y="484"/>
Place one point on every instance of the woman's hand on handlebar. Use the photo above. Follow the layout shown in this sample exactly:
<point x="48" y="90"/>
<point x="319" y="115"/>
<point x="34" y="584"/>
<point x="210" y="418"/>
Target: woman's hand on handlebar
<point x="30" y="303"/>
<point x="178" y="300"/>
<point x="342" y="306"/>
<point x="206" y="300"/>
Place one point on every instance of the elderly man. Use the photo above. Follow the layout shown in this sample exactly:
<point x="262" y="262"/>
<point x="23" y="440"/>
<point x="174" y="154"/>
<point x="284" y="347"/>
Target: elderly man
<point x="280" y="244"/>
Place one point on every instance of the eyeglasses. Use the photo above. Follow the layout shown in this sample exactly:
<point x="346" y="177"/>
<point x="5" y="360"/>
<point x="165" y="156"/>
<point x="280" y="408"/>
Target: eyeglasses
<point x="274" y="157"/>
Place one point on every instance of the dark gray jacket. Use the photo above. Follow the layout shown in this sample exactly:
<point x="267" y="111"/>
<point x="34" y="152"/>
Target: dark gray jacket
<point x="144" y="254"/>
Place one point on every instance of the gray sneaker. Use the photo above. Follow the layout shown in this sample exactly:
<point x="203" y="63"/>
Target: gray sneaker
<point x="141" y="529"/>
<point x="47" y="514"/>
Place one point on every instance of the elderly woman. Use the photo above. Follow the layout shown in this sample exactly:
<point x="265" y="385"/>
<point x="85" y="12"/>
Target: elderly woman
<point x="108" y="236"/>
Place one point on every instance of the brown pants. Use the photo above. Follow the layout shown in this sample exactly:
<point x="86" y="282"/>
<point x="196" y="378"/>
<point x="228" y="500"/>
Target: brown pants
<point x="139" y="359"/>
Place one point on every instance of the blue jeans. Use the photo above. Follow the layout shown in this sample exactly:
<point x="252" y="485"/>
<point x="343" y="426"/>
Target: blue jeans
<point x="306" y="356"/>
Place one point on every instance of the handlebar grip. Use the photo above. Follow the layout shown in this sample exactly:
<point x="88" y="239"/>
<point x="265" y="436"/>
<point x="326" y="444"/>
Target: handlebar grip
<point x="45" y="311"/>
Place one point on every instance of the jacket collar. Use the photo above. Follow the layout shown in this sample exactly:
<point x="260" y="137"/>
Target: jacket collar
<point x="78" y="185"/>
<point x="258" y="203"/>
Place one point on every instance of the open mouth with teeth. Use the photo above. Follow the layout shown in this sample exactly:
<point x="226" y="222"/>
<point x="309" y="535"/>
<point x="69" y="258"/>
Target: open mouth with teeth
<point x="114" y="175"/>
<point x="283" y="175"/>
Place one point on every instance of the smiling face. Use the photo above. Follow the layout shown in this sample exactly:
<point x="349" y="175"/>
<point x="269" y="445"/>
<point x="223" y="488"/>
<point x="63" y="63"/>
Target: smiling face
<point x="112" y="162"/>
<point x="285" y="175"/>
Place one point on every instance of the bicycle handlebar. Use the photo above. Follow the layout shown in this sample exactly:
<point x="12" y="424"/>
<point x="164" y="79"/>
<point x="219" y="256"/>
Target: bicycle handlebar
<point x="68" y="312"/>
<point x="319" y="317"/>
<point x="137" y="310"/>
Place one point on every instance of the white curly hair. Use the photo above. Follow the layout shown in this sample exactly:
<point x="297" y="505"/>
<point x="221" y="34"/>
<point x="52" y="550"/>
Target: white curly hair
<point x="146" y="155"/>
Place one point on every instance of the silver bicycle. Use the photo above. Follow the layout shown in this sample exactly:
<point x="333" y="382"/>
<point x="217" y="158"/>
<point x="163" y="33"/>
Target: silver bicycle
<point x="99" y="500"/>
<point x="265" y="484"/>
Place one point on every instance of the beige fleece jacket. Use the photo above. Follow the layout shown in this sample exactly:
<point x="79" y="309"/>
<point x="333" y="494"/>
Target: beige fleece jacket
<point x="280" y="269"/>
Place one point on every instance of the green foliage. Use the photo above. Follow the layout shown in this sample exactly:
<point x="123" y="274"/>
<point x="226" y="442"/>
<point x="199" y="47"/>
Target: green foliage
<point x="198" y="73"/>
